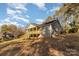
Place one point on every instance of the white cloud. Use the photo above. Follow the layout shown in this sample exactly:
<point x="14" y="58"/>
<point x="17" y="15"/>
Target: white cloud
<point x="26" y="20"/>
<point x="17" y="18"/>
<point x="10" y="11"/>
<point x="41" y="6"/>
<point x="14" y="8"/>
<point x="15" y="13"/>
<point x="53" y="9"/>
<point x="7" y="19"/>
<point x="18" y="6"/>
<point x="27" y="16"/>
<point x="5" y="22"/>
<point x="14" y="23"/>
<point x="39" y="21"/>
<point x="23" y="19"/>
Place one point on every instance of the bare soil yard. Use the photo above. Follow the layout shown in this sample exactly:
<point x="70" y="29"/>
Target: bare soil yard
<point x="66" y="45"/>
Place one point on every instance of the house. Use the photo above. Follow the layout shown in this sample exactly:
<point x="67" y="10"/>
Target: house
<point x="46" y="29"/>
<point x="51" y="27"/>
<point x="1" y="37"/>
<point x="33" y="30"/>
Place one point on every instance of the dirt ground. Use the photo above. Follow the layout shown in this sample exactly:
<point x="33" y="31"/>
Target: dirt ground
<point x="63" y="45"/>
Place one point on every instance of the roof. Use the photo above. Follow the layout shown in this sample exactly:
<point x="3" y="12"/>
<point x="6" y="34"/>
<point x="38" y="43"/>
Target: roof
<point x="31" y="25"/>
<point x="49" y="19"/>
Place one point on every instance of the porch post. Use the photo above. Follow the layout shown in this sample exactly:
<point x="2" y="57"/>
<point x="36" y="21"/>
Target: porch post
<point x="50" y="29"/>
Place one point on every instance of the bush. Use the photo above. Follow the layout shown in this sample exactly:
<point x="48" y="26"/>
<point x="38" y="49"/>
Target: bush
<point x="73" y="30"/>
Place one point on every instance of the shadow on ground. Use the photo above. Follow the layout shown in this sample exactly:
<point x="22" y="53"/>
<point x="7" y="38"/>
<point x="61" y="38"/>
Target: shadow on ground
<point x="67" y="45"/>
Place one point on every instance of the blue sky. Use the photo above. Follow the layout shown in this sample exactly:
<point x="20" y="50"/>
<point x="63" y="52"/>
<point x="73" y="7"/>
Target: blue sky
<point x="21" y="14"/>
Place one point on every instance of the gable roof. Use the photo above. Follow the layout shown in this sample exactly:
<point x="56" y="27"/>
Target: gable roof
<point x="31" y="25"/>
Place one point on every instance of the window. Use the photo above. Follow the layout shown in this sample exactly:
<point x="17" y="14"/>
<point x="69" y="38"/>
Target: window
<point x="38" y="28"/>
<point x="34" y="28"/>
<point x="34" y="35"/>
<point x="31" y="35"/>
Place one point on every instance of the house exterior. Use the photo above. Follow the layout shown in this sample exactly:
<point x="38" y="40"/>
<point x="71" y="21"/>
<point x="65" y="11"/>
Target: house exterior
<point x="33" y="30"/>
<point x="51" y="28"/>
<point x="46" y="29"/>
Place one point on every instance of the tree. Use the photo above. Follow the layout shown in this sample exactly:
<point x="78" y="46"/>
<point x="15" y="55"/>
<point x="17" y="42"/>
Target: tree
<point x="4" y="28"/>
<point x="20" y="31"/>
<point x="11" y="30"/>
<point x="74" y="28"/>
